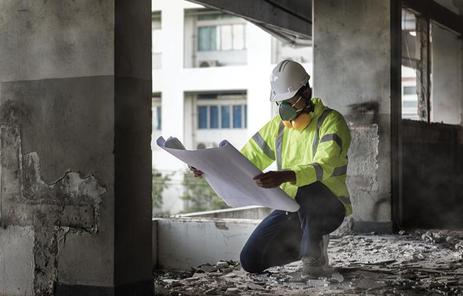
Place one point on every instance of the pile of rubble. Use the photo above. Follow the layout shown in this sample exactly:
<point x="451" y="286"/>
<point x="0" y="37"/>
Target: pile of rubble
<point x="419" y="263"/>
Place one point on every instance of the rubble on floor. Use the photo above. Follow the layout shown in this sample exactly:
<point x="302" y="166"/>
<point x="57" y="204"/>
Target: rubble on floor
<point x="418" y="263"/>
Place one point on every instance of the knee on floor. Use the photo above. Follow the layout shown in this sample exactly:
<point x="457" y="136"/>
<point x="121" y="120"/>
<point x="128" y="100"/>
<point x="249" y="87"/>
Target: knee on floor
<point x="249" y="262"/>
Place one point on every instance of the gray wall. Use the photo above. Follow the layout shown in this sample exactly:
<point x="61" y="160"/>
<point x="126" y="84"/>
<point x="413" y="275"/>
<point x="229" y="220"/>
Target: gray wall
<point x="132" y="147"/>
<point x="351" y="74"/>
<point x="447" y="76"/>
<point x="74" y="92"/>
<point x="432" y="175"/>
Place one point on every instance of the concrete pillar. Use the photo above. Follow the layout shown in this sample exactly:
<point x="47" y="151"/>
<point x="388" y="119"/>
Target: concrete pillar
<point x="352" y="63"/>
<point x="75" y="125"/>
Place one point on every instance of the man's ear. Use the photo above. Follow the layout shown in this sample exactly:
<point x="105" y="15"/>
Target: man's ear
<point x="308" y="96"/>
<point x="307" y="92"/>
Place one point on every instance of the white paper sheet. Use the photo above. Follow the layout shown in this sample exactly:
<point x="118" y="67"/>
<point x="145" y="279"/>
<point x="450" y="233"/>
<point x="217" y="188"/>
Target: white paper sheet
<point x="230" y="175"/>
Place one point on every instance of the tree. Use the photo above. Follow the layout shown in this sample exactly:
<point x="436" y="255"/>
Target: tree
<point x="160" y="183"/>
<point x="199" y="195"/>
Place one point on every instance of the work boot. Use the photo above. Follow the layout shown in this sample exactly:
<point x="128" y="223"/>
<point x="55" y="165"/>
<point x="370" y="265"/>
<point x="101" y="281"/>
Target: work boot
<point x="312" y="267"/>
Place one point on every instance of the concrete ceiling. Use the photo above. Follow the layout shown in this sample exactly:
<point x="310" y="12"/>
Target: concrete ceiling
<point x="290" y="20"/>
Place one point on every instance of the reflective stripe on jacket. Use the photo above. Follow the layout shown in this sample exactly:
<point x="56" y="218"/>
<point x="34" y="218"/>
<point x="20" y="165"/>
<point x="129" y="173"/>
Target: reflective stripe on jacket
<point x="317" y="153"/>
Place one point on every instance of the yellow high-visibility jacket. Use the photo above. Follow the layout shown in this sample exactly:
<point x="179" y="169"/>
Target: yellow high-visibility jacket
<point x="317" y="153"/>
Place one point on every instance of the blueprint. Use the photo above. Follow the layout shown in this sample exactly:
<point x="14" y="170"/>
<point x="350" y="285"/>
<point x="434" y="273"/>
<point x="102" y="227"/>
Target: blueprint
<point x="230" y="174"/>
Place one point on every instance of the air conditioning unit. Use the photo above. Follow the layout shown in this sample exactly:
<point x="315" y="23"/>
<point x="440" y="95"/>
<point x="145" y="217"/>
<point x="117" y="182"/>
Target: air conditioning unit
<point x="201" y="146"/>
<point x="209" y="63"/>
<point x="204" y="145"/>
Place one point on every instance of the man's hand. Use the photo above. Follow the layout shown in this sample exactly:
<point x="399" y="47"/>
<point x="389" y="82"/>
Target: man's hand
<point x="196" y="172"/>
<point x="274" y="178"/>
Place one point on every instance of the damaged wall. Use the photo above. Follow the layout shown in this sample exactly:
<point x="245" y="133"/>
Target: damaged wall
<point x="352" y="75"/>
<point x="63" y="109"/>
<point x="433" y="175"/>
<point x="51" y="210"/>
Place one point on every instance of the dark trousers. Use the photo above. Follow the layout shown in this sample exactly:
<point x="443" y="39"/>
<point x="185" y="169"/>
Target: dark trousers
<point x="283" y="237"/>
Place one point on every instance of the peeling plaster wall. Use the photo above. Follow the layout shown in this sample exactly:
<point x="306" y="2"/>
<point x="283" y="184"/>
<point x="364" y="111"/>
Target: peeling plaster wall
<point x="363" y="178"/>
<point x="53" y="211"/>
<point x="351" y="74"/>
<point x="75" y="130"/>
<point x="69" y="127"/>
<point x="57" y="135"/>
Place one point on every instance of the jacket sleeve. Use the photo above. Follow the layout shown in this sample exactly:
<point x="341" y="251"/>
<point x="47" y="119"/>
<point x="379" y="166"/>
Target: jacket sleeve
<point x="330" y="156"/>
<point x="259" y="149"/>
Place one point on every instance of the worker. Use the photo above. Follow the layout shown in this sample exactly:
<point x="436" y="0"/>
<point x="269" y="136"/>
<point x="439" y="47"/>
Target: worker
<point x="309" y="143"/>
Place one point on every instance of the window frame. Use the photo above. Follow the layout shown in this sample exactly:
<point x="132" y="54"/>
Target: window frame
<point x="217" y="103"/>
<point x="219" y="35"/>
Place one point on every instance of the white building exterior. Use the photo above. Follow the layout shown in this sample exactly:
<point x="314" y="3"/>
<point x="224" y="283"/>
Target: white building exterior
<point x="226" y="68"/>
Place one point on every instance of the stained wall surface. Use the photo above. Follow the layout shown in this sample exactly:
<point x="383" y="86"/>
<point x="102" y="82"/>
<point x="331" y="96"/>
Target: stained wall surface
<point x="352" y="64"/>
<point x="69" y="110"/>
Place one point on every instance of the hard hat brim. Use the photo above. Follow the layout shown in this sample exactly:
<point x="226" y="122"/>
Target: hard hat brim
<point x="283" y="97"/>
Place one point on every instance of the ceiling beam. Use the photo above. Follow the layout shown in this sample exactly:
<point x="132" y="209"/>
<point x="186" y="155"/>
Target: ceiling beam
<point x="267" y="12"/>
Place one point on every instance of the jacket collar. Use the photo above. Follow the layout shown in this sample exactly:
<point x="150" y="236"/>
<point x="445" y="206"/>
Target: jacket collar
<point x="318" y="108"/>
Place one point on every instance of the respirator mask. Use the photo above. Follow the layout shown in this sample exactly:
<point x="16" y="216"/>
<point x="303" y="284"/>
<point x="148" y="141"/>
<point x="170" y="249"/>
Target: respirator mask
<point x="292" y="117"/>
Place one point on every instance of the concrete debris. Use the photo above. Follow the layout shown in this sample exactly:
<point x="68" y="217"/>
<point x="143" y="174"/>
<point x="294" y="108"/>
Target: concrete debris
<point x="415" y="263"/>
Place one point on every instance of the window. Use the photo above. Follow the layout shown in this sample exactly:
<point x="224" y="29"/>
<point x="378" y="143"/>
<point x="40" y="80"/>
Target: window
<point x="221" y="37"/>
<point x="410" y="104"/>
<point x="238" y="36"/>
<point x="410" y="90"/>
<point x="413" y="66"/>
<point x="207" y="38"/>
<point x="214" y="114"/>
<point x="225" y="112"/>
<point x="213" y="39"/>
<point x="237" y="118"/>
<point x="431" y="70"/>
<point x="202" y="117"/>
<point x="222" y="116"/>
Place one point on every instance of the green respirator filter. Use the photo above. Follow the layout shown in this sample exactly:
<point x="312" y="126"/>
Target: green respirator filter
<point x="286" y="111"/>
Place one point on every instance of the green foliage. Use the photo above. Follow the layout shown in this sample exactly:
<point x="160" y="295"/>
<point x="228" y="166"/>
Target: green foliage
<point x="199" y="195"/>
<point x="160" y="183"/>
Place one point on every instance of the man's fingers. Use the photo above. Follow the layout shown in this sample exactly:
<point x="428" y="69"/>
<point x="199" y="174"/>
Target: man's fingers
<point x="196" y="172"/>
<point x="259" y="176"/>
<point x="266" y="183"/>
<point x="269" y="185"/>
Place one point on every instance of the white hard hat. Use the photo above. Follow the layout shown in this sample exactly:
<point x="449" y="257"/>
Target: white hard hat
<point x="287" y="78"/>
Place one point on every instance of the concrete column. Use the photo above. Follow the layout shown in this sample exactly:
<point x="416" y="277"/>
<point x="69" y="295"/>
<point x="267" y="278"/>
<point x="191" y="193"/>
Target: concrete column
<point x="352" y="75"/>
<point x="75" y="117"/>
<point x="132" y="149"/>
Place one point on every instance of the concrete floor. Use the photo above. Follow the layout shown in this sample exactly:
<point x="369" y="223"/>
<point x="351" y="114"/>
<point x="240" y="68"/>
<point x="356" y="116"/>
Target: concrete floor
<point x="418" y="263"/>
